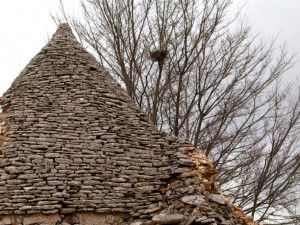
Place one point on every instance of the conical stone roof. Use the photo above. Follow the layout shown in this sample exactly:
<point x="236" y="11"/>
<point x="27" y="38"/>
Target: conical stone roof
<point x="73" y="141"/>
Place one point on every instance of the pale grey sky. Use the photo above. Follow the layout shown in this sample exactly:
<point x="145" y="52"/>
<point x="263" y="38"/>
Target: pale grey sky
<point x="25" y="27"/>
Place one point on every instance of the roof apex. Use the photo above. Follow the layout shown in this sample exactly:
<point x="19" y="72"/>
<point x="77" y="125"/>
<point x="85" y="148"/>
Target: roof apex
<point x="65" y="28"/>
<point x="63" y="31"/>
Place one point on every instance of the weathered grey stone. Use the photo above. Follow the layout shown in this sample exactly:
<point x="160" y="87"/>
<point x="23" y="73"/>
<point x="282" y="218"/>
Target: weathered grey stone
<point x="12" y="170"/>
<point x="27" y="207"/>
<point x="61" y="195"/>
<point x="217" y="198"/>
<point x="137" y="223"/>
<point x="205" y="220"/>
<point x="164" y="218"/>
<point x="191" y="220"/>
<point x="52" y="155"/>
<point x="55" y="182"/>
<point x="193" y="199"/>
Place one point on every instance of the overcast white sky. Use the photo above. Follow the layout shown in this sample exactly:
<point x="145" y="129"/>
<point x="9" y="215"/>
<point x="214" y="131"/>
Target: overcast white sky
<point x="26" y="25"/>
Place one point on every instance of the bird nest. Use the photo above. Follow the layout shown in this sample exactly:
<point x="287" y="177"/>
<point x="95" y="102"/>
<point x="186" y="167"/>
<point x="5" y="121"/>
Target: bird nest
<point x="158" y="55"/>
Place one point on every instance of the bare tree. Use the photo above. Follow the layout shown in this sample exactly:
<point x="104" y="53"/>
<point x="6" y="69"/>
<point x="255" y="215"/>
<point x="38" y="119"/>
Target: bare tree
<point x="199" y="78"/>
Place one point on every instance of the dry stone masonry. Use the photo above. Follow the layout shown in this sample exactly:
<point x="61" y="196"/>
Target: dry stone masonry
<point x="75" y="149"/>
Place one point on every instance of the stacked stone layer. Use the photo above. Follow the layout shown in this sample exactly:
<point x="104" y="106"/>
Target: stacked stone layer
<point x="73" y="141"/>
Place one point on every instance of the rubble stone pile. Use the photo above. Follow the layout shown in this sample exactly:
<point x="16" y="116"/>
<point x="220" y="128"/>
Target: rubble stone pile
<point x="75" y="149"/>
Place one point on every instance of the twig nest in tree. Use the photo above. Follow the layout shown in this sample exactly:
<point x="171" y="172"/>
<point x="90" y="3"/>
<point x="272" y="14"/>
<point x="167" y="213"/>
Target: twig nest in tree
<point x="158" y="55"/>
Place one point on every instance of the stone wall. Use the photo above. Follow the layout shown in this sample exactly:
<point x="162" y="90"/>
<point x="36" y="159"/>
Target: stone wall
<point x="84" y="218"/>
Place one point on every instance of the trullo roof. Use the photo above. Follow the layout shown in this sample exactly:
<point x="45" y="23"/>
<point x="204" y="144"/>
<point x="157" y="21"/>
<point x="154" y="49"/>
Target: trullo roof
<point x="72" y="141"/>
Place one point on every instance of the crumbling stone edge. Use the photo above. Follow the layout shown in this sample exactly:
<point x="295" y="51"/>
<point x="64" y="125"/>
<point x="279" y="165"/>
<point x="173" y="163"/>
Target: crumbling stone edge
<point x="3" y="125"/>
